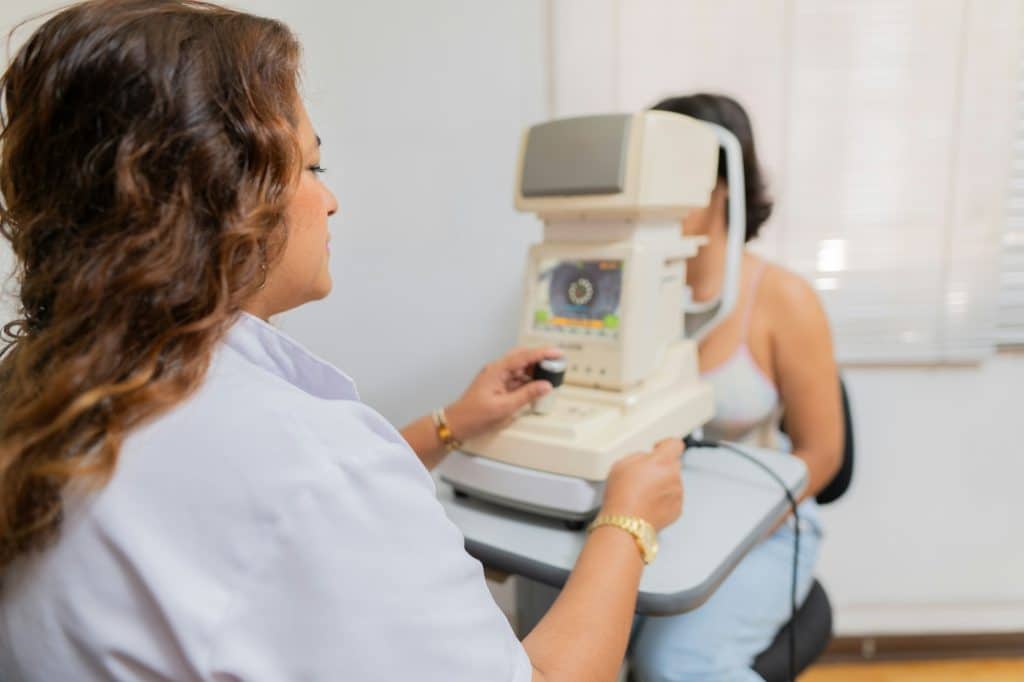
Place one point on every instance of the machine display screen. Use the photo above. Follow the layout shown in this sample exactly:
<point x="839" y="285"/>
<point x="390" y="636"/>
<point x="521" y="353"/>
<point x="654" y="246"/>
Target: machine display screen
<point x="579" y="297"/>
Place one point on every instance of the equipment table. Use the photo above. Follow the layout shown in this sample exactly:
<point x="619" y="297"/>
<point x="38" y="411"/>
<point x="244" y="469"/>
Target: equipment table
<point x="729" y="505"/>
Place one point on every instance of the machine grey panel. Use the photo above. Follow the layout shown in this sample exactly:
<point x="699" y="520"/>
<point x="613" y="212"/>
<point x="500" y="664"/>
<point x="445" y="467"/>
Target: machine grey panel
<point x="577" y="156"/>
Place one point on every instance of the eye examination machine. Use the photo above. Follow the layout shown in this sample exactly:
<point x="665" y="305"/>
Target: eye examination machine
<point x="607" y="285"/>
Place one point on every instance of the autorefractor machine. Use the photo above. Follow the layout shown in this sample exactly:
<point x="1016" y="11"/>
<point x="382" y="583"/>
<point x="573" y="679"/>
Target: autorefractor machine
<point x="607" y="285"/>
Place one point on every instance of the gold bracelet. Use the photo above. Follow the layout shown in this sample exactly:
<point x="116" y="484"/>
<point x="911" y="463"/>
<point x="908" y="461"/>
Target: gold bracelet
<point x="642" y="531"/>
<point x="444" y="432"/>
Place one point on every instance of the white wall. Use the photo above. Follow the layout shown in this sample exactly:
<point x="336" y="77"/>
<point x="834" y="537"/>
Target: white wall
<point x="929" y="537"/>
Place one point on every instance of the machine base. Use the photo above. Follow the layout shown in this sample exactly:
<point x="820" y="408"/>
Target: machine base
<point x="539" y="492"/>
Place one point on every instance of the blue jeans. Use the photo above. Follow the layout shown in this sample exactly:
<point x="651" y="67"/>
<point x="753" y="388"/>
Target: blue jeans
<point x="718" y="641"/>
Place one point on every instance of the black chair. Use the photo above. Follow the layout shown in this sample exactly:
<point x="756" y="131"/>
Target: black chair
<point x="813" y="620"/>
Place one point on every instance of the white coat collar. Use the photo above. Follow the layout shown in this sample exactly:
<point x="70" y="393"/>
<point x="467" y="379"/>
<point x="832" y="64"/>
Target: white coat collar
<point x="274" y="351"/>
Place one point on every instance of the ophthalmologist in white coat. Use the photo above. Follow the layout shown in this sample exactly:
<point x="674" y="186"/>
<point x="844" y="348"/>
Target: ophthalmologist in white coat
<point x="185" y="492"/>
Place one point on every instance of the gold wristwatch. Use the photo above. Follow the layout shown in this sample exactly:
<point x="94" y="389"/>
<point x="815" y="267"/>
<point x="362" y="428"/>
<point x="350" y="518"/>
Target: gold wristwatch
<point x="644" y="533"/>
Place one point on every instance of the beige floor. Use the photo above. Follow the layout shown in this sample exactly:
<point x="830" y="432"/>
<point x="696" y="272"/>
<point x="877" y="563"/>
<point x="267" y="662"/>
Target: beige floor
<point x="1011" y="670"/>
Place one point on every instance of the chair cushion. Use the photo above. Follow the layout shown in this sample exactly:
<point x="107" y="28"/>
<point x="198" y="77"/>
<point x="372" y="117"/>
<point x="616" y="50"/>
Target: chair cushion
<point x="814" y="632"/>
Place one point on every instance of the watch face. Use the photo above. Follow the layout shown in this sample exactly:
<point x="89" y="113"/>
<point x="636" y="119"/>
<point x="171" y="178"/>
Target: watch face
<point x="650" y="537"/>
<point x="651" y="540"/>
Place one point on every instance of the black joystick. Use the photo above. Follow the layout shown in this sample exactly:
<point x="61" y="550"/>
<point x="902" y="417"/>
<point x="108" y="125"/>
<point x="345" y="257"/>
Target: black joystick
<point x="551" y="370"/>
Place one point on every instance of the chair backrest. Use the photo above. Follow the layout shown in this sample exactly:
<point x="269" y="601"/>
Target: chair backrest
<point x="841" y="481"/>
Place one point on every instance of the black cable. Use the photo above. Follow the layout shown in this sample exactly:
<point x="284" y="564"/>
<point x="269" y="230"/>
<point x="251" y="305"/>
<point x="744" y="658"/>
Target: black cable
<point x="692" y="442"/>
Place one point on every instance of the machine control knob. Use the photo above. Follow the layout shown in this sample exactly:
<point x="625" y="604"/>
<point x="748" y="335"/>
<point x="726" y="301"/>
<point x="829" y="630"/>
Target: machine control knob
<point x="553" y="371"/>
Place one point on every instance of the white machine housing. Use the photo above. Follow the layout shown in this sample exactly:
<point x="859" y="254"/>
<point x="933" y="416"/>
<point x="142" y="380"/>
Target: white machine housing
<point x="607" y="285"/>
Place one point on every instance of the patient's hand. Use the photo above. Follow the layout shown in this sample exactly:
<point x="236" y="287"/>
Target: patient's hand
<point x="498" y="392"/>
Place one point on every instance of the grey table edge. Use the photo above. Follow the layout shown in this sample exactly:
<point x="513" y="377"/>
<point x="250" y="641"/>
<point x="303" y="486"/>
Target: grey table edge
<point x="648" y="603"/>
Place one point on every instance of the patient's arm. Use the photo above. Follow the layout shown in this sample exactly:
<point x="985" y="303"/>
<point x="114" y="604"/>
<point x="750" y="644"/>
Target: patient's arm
<point x="807" y="377"/>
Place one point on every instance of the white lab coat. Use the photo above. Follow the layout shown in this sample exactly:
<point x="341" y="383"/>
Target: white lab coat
<point x="270" y="528"/>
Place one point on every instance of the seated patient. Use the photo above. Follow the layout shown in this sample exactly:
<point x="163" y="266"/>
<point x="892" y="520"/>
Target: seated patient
<point x="772" y="355"/>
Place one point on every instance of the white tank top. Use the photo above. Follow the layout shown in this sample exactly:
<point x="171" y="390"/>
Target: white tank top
<point x="747" y="407"/>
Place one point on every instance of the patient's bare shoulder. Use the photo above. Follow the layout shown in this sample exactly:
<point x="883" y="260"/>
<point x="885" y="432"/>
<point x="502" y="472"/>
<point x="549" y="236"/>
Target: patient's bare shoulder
<point x="791" y="303"/>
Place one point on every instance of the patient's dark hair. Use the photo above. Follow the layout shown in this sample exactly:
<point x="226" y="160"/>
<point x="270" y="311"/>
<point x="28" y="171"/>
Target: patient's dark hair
<point x="727" y="112"/>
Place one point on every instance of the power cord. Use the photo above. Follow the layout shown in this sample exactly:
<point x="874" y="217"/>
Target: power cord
<point x="691" y="442"/>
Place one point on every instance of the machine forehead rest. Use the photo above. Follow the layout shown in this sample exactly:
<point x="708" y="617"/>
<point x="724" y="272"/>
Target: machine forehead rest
<point x="577" y="156"/>
<point x="652" y="164"/>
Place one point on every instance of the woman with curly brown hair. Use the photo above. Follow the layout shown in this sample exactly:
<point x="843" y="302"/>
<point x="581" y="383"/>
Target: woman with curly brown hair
<point x="185" y="492"/>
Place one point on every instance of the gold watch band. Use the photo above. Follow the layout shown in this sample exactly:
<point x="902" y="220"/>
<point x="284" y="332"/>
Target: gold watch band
<point x="642" y="531"/>
<point x="444" y="432"/>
